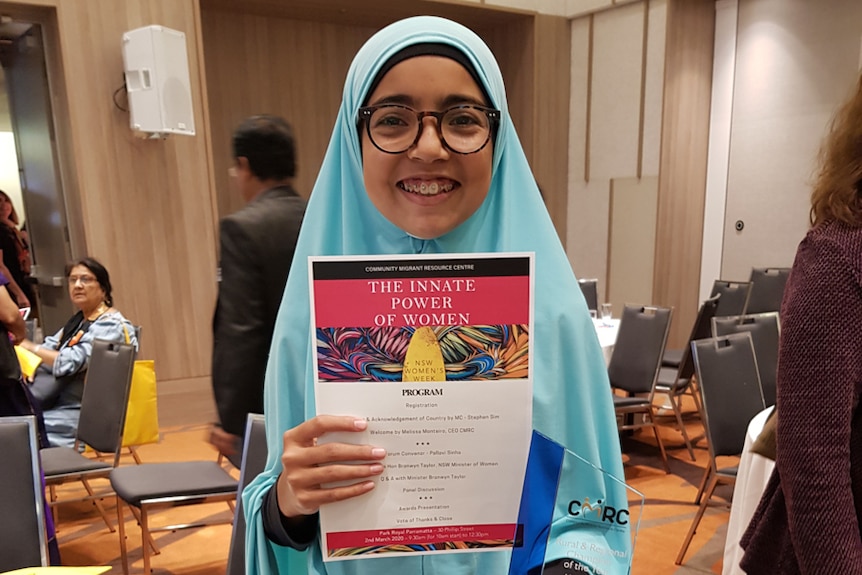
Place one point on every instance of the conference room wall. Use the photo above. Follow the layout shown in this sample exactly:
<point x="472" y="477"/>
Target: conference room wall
<point x="639" y="114"/>
<point x="614" y="133"/>
<point x="290" y="58"/>
<point x="148" y="208"/>
<point x="143" y="207"/>
<point x="795" y="62"/>
<point x="301" y="51"/>
<point x="149" y="213"/>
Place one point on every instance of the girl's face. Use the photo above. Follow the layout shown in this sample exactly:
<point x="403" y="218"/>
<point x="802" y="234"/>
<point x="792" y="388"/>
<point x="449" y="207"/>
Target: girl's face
<point x="399" y="185"/>
<point x="5" y="207"/>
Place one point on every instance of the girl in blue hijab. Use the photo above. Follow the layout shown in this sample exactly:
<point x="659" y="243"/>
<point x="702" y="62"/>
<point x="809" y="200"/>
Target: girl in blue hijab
<point x="423" y="189"/>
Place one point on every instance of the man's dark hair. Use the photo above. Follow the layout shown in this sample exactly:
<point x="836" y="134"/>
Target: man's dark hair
<point x="268" y="145"/>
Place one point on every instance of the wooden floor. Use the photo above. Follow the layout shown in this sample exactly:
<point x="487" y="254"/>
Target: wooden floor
<point x="85" y="540"/>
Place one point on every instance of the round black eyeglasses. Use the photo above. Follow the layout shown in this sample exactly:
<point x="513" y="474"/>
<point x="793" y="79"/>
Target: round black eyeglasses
<point x="394" y="128"/>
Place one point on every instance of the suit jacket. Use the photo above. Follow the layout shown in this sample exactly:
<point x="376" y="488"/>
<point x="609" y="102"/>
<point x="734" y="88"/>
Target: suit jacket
<point x="257" y="245"/>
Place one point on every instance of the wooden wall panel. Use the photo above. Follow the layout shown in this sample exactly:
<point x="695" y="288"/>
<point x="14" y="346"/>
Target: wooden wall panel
<point x="586" y="246"/>
<point x="682" y="176"/>
<point x="551" y="112"/>
<point x="653" y="88"/>
<point x="617" y="87"/>
<point x="517" y="64"/>
<point x="617" y="84"/>
<point x="149" y="208"/>
<point x="142" y="206"/>
<point x="291" y="68"/>
<point x="307" y="90"/>
<point x="535" y="58"/>
<point x="631" y="240"/>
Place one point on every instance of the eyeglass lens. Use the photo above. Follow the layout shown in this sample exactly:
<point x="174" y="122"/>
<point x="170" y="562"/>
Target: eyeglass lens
<point x="394" y="129"/>
<point x="83" y="279"/>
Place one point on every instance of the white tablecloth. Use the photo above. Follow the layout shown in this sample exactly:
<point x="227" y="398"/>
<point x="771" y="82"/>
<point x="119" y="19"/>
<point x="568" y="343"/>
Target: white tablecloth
<point x="607" y="330"/>
<point x="754" y="472"/>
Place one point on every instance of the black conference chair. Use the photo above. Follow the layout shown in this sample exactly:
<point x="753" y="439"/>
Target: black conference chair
<point x="730" y="388"/>
<point x="133" y="449"/>
<point x="23" y="539"/>
<point x="103" y="414"/>
<point x="673" y="357"/>
<point x="150" y="487"/>
<point x="253" y="462"/>
<point x="589" y="287"/>
<point x="767" y="290"/>
<point x="635" y="364"/>
<point x="677" y="382"/>
<point x="733" y="296"/>
<point x="765" y="330"/>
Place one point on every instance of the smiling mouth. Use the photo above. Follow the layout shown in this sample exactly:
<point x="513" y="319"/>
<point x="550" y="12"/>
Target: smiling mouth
<point x="427" y="188"/>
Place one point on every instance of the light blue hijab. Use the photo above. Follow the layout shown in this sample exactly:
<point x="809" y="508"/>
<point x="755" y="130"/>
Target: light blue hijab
<point x="571" y="398"/>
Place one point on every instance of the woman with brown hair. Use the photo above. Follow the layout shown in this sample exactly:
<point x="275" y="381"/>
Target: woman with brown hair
<point x="14" y="253"/>
<point x="808" y="518"/>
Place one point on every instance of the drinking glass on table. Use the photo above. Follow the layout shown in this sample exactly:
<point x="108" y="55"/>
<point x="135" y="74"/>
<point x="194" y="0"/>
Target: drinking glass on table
<point x="605" y="310"/>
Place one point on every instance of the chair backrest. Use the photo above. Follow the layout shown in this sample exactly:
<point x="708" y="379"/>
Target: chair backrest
<point x="106" y="395"/>
<point x="733" y="297"/>
<point x="765" y="330"/>
<point x="253" y="461"/>
<point x="637" y="355"/>
<point x="589" y="287"/>
<point x="702" y="328"/>
<point x="767" y="290"/>
<point x="23" y="540"/>
<point x="730" y="388"/>
<point x="30" y="329"/>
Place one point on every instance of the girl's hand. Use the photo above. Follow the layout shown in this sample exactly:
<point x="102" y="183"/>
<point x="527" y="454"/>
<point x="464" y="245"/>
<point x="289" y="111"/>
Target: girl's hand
<point x="307" y="465"/>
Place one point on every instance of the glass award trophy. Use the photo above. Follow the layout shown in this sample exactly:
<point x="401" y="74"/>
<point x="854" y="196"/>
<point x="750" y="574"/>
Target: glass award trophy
<point x="574" y="518"/>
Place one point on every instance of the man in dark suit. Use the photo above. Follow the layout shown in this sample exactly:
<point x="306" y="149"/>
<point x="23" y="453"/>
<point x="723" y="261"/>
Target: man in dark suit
<point x="257" y="245"/>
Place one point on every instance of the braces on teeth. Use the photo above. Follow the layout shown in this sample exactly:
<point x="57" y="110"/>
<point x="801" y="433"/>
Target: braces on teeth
<point x="427" y="189"/>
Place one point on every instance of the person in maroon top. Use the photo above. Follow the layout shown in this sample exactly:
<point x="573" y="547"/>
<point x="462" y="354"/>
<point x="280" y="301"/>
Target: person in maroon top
<point x="808" y="517"/>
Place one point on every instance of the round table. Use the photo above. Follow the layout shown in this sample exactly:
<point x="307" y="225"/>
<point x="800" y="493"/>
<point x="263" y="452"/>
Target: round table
<point x="607" y="330"/>
<point x="751" y="478"/>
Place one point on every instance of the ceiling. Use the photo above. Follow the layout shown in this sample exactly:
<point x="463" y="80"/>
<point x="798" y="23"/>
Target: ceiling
<point x="377" y="13"/>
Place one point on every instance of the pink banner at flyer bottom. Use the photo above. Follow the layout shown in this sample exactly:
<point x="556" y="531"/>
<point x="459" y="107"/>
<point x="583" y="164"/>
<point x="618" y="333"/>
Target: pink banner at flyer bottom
<point x="436" y="538"/>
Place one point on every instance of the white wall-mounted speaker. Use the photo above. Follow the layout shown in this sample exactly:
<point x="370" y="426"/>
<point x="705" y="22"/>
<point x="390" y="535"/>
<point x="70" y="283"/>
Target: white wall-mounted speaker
<point x="156" y="68"/>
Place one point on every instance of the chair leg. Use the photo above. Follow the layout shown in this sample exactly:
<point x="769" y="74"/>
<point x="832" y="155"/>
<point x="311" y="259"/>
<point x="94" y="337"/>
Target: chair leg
<point x="677" y="411"/>
<point x="706" y="475"/>
<point x="98" y="505"/>
<point x="694" y="389"/>
<point x="122" y="529"/>
<point x="696" y="521"/>
<point x="135" y="455"/>
<point x="150" y="539"/>
<point x="145" y="534"/>
<point x="55" y="512"/>
<point x="651" y="414"/>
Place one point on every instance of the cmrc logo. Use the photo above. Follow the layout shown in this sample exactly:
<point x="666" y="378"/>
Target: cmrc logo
<point x="603" y="513"/>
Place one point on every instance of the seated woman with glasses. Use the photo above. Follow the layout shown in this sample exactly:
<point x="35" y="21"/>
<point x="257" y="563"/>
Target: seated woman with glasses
<point x="59" y="381"/>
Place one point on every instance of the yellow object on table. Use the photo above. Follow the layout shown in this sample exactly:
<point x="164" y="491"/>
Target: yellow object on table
<point x="29" y="361"/>
<point x="58" y="571"/>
